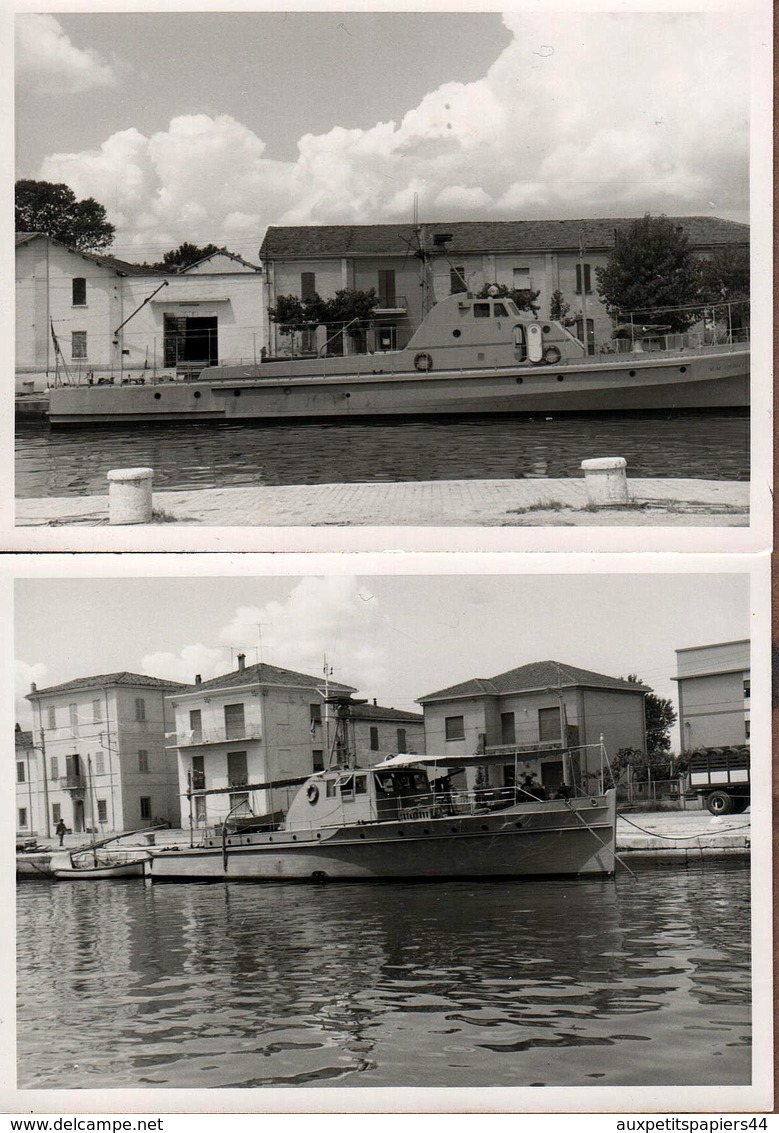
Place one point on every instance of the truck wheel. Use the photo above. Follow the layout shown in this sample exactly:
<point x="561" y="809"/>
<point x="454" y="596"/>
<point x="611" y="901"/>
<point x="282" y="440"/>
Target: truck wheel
<point x="719" y="802"/>
<point x="740" y="805"/>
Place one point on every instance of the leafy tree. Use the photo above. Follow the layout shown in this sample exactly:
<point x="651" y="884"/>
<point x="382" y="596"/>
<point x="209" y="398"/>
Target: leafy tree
<point x="660" y="716"/>
<point x="524" y="297"/>
<point x="42" y="206"/>
<point x="347" y="312"/>
<point x="559" y="309"/>
<point x="185" y="255"/>
<point x="725" y="280"/>
<point x="291" y="313"/>
<point x="651" y="273"/>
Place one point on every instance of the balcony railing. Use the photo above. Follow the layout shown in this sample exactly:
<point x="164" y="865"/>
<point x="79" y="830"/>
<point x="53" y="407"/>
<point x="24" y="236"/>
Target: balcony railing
<point x="75" y="781"/>
<point x="202" y="737"/>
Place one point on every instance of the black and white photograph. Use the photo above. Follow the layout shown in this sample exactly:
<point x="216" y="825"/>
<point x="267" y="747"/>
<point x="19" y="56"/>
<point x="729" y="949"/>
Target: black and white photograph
<point x="409" y="269"/>
<point x="324" y="835"/>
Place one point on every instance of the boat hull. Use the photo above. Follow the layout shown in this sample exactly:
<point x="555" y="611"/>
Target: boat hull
<point x="528" y="840"/>
<point x="714" y="380"/>
<point x="98" y="873"/>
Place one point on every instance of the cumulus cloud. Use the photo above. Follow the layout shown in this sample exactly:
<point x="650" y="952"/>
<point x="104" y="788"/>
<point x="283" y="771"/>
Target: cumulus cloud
<point x="593" y="114"/>
<point x="195" y="659"/>
<point x="26" y="674"/>
<point x="49" y="61"/>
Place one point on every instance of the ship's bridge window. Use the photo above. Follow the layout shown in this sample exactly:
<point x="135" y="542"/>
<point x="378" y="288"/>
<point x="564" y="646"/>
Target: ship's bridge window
<point x="499" y="309"/>
<point x="347" y="787"/>
<point x="361" y="785"/>
<point x="330" y="788"/>
<point x="481" y="310"/>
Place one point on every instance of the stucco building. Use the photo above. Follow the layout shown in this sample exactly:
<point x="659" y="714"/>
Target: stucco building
<point x="379" y="732"/>
<point x="533" y="714"/>
<point x="413" y="267"/>
<point x="99" y="760"/>
<point x="82" y="314"/>
<point x="713" y="683"/>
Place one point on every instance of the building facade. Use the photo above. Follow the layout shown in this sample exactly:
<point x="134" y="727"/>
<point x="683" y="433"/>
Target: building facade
<point x="256" y="725"/>
<point x="533" y="714"/>
<point x="99" y="758"/>
<point x="713" y="683"/>
<point x="30" y="815"/>
<point x="379" y="732"/>
<point x="82" y="316"/>
<point x="411" y="267"/>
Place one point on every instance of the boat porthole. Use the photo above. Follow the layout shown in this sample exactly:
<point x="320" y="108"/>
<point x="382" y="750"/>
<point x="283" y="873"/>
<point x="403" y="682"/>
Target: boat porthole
<point x="236" y="393"/>
<point x="319" y="835"/>
<point x="362" y="835"/>
<point x="294" y="837"/>
<point x="593" y="802"/>
<point x="456" y="333"/>
<point x="425" y="831"/>
<point x="485" y="827"/>
<point x="197" y="393"/>
<point x="157" y="396"/>
<point x="401" y="832"/>
<point x="561" y="377"/>
<point x="270" y="839"/>
<point x="518" y="825"/>
<point x="547" y="330"/>
<point x="348" y="395"/>
<point x="453" y="829"/>
<point x="632" y="373"/>
<point x="682" y="369"/>
<point x="520" y="381"/>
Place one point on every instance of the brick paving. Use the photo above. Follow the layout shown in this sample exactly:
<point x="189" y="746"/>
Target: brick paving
<point x="439" y="503"/>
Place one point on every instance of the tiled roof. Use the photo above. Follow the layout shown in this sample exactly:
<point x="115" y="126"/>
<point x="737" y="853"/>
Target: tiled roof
<point x="376" y="712"/>
<point x="110" y="680"/>
<point x="536" y="675"/>
<point x="101" y="259"/>
<point x="268" y="674"/>
<point x="220" y="252"/>
<point x="480" y="236"/>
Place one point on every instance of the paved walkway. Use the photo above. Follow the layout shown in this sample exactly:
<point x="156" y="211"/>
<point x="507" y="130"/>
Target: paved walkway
<point x="438" y="503"/>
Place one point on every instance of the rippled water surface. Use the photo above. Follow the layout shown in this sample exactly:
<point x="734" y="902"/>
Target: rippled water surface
<point x="710" y="446"/>
<point x="641" y="981"/>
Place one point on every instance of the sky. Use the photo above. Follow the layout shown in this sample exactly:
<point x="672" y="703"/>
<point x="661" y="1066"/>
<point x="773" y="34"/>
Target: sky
<point x="393" y="637"/>
<point x="210" y="126"/>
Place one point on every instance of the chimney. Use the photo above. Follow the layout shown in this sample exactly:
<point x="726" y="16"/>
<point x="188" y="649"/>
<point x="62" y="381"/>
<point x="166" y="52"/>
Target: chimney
<point x="374" y="702"/>
<point x="198" y="678"/>
<point x="241" y="662"/>
<point x="33" y="687"/>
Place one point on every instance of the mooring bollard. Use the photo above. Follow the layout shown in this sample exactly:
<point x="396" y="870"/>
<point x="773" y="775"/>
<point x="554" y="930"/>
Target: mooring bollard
<point x="605" y="478"/>
<point x="129" y="495"/>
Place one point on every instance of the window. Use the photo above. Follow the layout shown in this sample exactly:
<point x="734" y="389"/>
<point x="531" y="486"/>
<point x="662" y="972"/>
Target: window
<point x="99" y="763"/>
<point x="508" y="733"/>
<point x="481" y="310"/>
<point x="583" y="271"/>
<point x="374" y="740"/>
<point x="590" y="334"/>
<point x="198" y="773"/>
<point x="499" y="310"/>
<point x="56" y="812"/>
<point x="387" y="337"/>
<point x="73" y="711"/>
<point x="330" y="792"/>
<point x="747" y="688"/>
<point x="237" y="768"/>
<point x="55" y="771"/>
<point x="315" y="714"/>
<point x="234" y="722"/>
<point x="143" y="762"/>
<point x="387" y="297"/>
<point x="746" y="728"/>
<point x="22" y="817"/>
<point x="402" y="739"/>
<point x="102" y="810"/>
<point x="457" y="280"/>
<point x="361" y="784"/>
<point x="200" y="809"/>
<point x="307" y="285"/>
<point x="549" y="724"/>
<point x="52" y="716"/>
<point x="454" y="727"/>
<point x="140" y="709"/>
<point x="196" y="725"/>
<point x="347" y="788"/>
<point x="145" y="801"/>
<point x="318" y="759"/>
<point x="521" y="280"/>
<point x="96" y="713"/>
<point x="20" y="776"/>
<point x="79" y="292"/>
<point x="78" y="345"/>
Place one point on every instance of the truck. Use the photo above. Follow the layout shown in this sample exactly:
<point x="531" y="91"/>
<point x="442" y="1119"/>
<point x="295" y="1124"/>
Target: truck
<point x="720" y="777"/>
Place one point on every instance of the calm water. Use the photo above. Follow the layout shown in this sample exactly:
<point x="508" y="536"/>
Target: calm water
<point x="641" y="981"/>
<point x="711" y="446"/>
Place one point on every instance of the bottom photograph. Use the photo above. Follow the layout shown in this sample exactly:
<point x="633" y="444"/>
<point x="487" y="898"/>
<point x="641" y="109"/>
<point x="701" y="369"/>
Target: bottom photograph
<point x="385" y="830"/>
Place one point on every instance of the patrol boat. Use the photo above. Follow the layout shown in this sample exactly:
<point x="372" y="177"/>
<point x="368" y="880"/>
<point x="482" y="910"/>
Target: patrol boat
<point x="469" y="355"/>
<point x="411" y="816"/>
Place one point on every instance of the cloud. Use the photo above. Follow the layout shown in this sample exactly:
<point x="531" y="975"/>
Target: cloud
<point x="196" y="659"/>
<point x="26" y="674"/>
<point x="593" y="114"/>
<point x="49" y="62"/>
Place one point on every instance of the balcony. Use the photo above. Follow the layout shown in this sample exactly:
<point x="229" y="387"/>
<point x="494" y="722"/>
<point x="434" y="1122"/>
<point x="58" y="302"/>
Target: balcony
<point x="205" y="737"/>
<point x="390" y="305"/>
<point x="75" y="781"/>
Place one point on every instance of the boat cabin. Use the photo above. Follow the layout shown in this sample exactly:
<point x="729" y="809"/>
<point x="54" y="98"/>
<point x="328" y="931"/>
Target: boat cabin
<point x="348" y="796"/>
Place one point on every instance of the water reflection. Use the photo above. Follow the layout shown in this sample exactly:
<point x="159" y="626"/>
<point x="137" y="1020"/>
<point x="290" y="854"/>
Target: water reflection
<point x="468" y="984"/>
<point x="701" y="445"/>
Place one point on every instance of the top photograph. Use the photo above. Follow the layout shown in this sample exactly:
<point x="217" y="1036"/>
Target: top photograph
<point x="363" y="270"/>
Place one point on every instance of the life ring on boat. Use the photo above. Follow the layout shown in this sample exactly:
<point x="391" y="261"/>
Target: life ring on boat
<point x="552" y="355"/>
<point x="312" y="793"/>
<point x="423" y="362"/>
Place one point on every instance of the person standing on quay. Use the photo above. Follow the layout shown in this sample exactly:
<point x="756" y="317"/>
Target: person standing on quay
<point x="62" y="830"/>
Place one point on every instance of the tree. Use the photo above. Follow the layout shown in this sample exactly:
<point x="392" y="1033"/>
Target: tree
<point x="660" y="717"/>
<point x="651" y="275"/>
<point x="524" y="297"/>
<point x="347" y="312"/>
<point x="42" y="206"/>
<point x="559" y="309"/>
<point x="185" y="255"/>
<point x="725" y="284"/>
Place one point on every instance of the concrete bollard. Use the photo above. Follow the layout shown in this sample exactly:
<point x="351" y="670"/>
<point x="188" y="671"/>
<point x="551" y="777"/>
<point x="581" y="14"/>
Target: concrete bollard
<point x="129" y="495"/>
<point x="605" y="479"/>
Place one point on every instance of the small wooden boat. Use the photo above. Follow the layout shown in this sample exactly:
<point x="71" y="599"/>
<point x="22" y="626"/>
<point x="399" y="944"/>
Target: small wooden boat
<point x="84" y="865"/>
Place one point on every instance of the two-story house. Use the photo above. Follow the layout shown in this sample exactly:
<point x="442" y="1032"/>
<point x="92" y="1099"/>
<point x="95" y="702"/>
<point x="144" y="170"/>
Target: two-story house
<point x="533" y="714"/>
<point x="258" y="724"/>
<point x="713" y="683"/>
<point x="379" y="732"/>
<point x="100" y="757"/>
<point x="412" y="267"/>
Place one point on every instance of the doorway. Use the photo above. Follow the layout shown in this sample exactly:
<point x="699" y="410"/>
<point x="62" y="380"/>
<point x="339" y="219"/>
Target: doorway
<point x="191" y="342"/>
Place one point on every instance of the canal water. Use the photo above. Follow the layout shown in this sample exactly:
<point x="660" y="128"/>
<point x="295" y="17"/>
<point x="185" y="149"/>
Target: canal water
<point x="638" y="981"/>
<point x="710" y="446"/>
